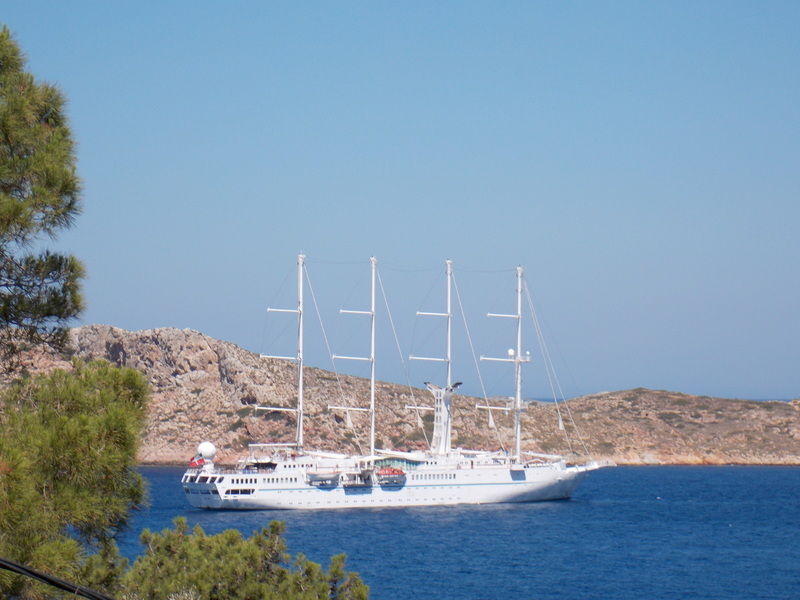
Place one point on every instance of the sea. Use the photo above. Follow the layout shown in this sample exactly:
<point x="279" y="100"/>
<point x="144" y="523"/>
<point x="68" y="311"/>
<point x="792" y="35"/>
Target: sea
<point x="628" y="533"/>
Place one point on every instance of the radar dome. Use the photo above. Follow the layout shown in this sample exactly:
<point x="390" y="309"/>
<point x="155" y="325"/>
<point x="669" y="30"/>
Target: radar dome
<point x="207" y="450"/>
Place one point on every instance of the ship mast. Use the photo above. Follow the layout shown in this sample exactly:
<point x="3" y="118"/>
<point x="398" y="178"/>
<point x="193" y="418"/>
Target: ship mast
<point x="371" y="358"/>
<point x="442" y="423"/>
<point x="298" y="358"/>
<point x="515" y="356"/>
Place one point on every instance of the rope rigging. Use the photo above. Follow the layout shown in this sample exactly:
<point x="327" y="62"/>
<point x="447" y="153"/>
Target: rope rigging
<point x="342" y="397"/>
<point x="400" y="351"/>
<point x="553" y="379"/>
<point x="492" y="424"/>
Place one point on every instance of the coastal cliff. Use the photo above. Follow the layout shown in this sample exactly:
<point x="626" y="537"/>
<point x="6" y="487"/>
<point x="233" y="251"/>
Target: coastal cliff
<point x="207" y="389"/>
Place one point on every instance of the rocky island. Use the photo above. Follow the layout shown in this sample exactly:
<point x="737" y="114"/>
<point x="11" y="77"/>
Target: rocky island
<point x="207" y="389"/>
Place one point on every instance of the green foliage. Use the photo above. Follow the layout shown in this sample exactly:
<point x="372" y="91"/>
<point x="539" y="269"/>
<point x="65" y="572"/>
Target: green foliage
<point x="39" y="196"/>
<point x="68" y="446"/>
<point x="178" y="563"/>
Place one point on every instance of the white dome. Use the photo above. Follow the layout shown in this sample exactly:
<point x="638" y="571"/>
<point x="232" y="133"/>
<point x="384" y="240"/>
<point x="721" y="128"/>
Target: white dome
<point x="207" y="450"/>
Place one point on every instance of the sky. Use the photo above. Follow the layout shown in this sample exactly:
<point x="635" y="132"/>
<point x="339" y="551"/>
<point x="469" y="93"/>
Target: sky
<point x="640" y="159"/>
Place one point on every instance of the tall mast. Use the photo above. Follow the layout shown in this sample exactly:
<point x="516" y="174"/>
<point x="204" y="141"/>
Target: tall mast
<point x="442" y="421"/>
<point x="515" y="356"/>
<point x="518" y="371"/>
<point x="373" y="262"/>
<point x="298" y="357"/>
<point x="301" y="261"/>
<point x="449" y="272"/>
<point x="371" y="358"/>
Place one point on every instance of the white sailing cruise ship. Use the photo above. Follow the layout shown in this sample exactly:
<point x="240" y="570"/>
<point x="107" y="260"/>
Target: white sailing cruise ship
<point x="289" y="476"/>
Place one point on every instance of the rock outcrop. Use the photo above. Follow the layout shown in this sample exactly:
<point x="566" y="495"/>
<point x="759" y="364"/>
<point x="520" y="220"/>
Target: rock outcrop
<point x="207" y="389"/>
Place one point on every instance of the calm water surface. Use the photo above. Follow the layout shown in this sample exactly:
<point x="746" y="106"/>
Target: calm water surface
<point x="630" y="533"/>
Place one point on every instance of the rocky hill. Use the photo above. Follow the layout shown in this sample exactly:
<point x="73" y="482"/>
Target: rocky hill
<point x="207" y="389"/>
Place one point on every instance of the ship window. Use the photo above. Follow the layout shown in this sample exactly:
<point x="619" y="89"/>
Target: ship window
<point x="220" y="480"/>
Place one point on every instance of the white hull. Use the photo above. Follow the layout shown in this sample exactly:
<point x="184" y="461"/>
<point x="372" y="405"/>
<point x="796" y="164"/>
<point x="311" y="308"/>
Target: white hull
<point x="478" y="485"/>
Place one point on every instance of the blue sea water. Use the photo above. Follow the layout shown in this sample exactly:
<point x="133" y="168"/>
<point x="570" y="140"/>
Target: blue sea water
<point x="716" y="533"/>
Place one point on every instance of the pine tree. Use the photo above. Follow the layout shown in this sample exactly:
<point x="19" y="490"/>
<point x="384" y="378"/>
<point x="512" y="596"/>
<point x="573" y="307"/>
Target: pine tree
<point x="39" y="197"/>
<point x="178" y="563"/>
<point x="68" y="482"/>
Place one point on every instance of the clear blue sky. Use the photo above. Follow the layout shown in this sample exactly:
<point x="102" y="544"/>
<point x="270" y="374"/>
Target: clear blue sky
<point x="641" y="159"/>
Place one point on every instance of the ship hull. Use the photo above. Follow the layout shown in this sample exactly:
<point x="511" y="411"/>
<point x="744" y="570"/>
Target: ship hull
<point x="468" y="486"/>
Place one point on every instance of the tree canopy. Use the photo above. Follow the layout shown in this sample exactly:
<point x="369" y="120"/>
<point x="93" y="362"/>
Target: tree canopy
<point x="68" y="482"/>
<point x="39" y="197"/>
<point x="179" y="563"/>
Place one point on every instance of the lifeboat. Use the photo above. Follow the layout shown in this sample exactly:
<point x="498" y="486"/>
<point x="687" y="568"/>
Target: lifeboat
<point x="391" y="476"/>
<point x="323" y="478"/>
